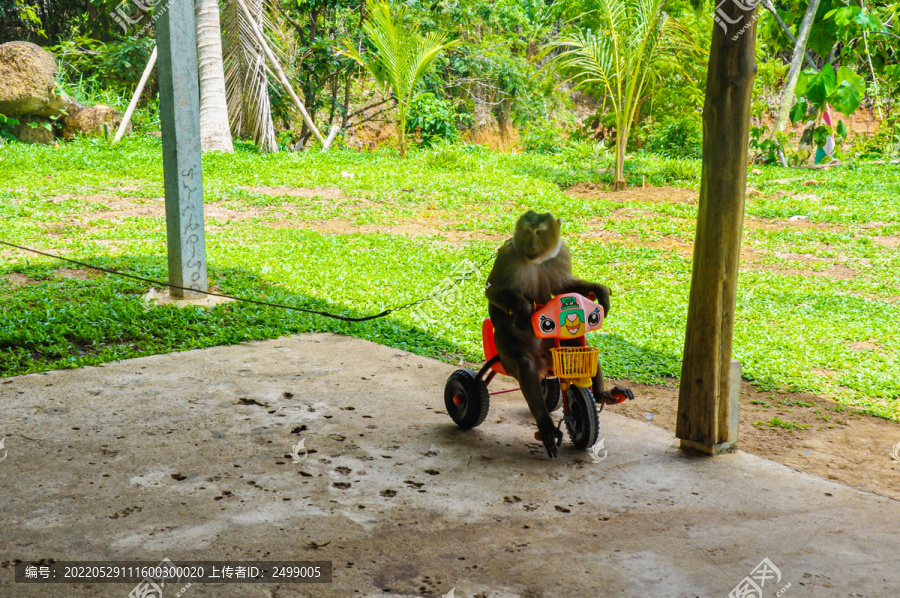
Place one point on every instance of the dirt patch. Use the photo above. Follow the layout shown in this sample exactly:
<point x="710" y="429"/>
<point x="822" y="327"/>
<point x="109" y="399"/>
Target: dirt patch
<point x="284" y="191"/>
<point x="797" y="222"/>
<point x="123" y="207"/>
<point x="889" y="242"/>
<point x="668" y="243"/>
<point x="802" y="257"/>
<point x="413" y="228"/>
<point x="838" y="272"/>
<point x="863" y="346"/>
<point x="80" y="274"/>
<point x="850" y="448"/>
<point x="18" y="279"/>
<point x="648" y="194"/>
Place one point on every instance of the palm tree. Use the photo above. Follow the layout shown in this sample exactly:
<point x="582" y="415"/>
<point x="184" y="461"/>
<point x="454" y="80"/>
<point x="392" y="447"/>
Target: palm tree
<point x="398" y="58"/>
<point x="621" y="56"/>
<point x="214" y="129"/>
<point x="246" y="79"/>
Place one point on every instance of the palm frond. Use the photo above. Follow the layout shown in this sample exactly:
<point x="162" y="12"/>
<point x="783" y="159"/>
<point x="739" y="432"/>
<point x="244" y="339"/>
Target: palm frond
<point x="246" y="79"/>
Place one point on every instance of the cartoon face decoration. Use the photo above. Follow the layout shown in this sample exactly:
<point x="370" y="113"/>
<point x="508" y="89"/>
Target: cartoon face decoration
<point x="567" y="316"/>
<point x="573" y="323"/>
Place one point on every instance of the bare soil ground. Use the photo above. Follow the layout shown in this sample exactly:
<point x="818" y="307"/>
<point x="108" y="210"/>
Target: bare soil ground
<point x="851" y="448"/>
<point x="646" y="194"/>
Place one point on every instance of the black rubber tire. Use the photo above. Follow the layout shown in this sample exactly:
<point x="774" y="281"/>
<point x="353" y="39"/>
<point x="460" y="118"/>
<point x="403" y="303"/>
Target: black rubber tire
<point x="583" y="424"/>
<point x="474" y="396"/>
<point x="552" y="395"/>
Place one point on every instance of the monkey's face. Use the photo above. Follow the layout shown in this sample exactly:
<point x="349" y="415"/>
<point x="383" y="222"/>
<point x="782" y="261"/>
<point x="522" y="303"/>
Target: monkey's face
<point x="537" y="235"/>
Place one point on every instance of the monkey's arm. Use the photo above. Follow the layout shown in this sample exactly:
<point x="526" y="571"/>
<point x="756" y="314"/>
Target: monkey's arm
<point x="508" y="300"/>
<point x="583" y="287"/>
<point x="512" y="303"/>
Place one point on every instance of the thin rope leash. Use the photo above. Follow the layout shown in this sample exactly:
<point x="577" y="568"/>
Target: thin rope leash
<point x="240" y="299"/>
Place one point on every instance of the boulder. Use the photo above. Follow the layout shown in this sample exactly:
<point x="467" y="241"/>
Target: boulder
<point x="27" y="78"/>
<point x="34" y="129"/>
<point x="90" y="121"/>
<point x="60" y="106"/>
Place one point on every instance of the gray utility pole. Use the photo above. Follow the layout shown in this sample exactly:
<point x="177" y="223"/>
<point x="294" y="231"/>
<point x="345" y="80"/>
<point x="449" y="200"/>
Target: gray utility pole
<point x="179" y="115"/>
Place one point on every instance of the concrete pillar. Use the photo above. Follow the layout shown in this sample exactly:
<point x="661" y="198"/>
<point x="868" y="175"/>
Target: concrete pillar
<point x="179" y="114"/>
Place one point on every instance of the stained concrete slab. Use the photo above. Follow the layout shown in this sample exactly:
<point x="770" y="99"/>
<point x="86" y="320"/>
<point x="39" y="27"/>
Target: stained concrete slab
<point x="188" y="456"/>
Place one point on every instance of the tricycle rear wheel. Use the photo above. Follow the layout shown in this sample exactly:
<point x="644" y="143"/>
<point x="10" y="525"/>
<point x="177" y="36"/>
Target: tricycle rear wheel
<point x="466" y="398"/>
<point x="552" y="395"/>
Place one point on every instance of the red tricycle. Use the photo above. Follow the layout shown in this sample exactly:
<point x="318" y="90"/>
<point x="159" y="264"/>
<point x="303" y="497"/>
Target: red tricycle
<point x="575" y="379"/>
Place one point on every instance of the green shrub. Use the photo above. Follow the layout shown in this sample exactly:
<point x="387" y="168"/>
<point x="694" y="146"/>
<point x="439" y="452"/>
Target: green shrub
<point x="433" y="119"/>
<point x="6" y="125"/>
<point x="542" y="140"/>
<point x="682" y="138"/>
<point x="452" y="156"/>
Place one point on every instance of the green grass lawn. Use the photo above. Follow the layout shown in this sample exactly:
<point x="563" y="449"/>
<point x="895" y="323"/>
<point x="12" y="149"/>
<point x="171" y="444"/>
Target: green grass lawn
<point x="818" y="301"/>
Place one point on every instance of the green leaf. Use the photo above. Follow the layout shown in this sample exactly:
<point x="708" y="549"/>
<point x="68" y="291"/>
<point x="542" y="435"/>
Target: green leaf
<point x="846" y="99"/>
<point x="820" y="135"/>
<point x="803" y="80"/>
<point x="799" y="110"/>
<point x="892" y="72"/>
<point x="820" y="39"/>
<point x="868" y="22"/>
<point x="843" y="16"/>
<point x="846" y="74"/>
<point x="841" y="129"/>
<point x="821" y="86"/>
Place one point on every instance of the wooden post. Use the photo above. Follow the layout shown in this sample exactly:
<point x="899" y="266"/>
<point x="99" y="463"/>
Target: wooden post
<point x="137" y="96"/>
<point x="707" y="400"/>
<point x="179" y="115"/>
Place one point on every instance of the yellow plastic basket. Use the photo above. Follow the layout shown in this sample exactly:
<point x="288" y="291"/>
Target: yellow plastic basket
<point x="575" y="362"/>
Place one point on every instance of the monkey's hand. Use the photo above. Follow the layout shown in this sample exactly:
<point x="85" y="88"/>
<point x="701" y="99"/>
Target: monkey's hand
<point x="522" y="314"/>
<point x="550" y="436"/>
<point x="600" y="294"/>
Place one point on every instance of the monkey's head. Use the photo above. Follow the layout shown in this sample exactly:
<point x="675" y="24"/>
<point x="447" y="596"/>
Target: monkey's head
<point x="537" y="236"/>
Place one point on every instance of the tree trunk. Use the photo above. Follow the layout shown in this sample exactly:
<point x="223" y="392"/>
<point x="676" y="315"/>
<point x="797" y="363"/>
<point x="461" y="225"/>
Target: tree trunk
<point x="345" y="115"/>
<point x="707" y="407"/>
<point x="215" y="133"/>
<point x="787" y="97"/>
<point x="621" y="144"/>
<point x="401" y="128"/>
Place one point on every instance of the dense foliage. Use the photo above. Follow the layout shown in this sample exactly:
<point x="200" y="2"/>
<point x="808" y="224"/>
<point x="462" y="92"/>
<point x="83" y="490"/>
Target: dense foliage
<point x="497" y="74"/>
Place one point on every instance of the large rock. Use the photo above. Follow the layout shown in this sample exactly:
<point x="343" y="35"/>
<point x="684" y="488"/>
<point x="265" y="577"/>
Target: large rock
<point x="34" y="129"/>
<point x="90" y="121"/>
<point x="60" y="106"/>
<point x="27" y="78"/>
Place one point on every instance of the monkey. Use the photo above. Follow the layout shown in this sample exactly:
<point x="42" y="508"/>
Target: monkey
<point x="530" y="268"/>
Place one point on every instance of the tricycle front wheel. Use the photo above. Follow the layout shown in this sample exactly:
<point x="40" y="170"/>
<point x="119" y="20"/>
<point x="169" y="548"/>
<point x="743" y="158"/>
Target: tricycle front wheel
<point x="582" y="423"/>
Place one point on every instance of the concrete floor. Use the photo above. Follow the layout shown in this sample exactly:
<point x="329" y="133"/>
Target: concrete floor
<point x="187" y="457"/>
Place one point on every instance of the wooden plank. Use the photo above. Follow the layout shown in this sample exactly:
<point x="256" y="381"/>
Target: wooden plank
<point x="137" y="96"/>
<point x="704" y="400"/>
<point x="179" y="115"/>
